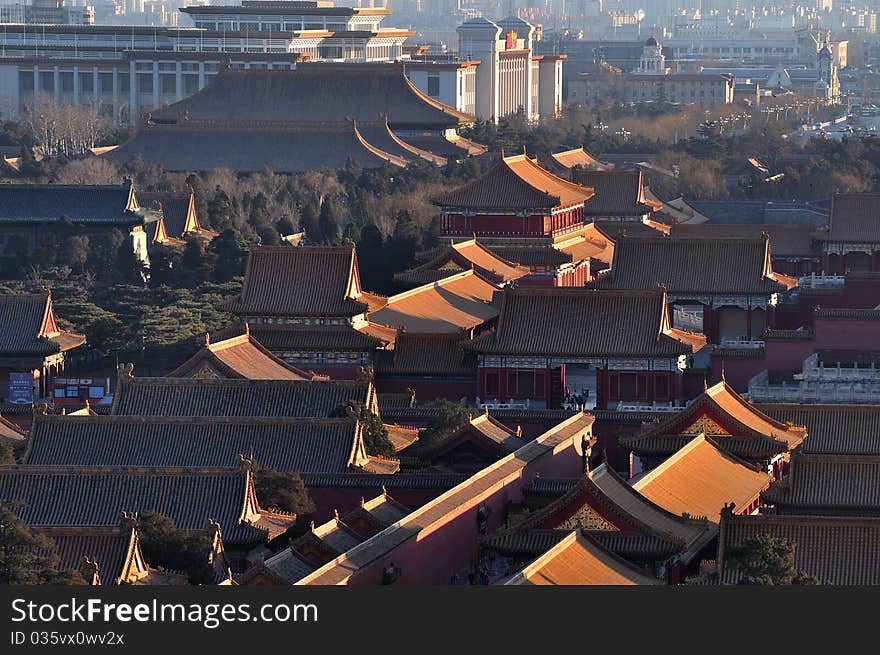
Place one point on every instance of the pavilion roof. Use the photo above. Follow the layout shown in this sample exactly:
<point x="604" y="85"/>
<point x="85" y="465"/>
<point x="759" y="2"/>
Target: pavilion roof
<point x="634" y="546"/>
<point x="111" y="549"/>
<point x="579" y="559"/>
<point x="178" y="210"/>
<point x="692" y="531"/>
<point x="515" y="183"/>
<point x="280" y="281"/>
<point x="460" y="302"/>
<point x="248" y="148"/>
<point x="583" y="322"/>
<point x="427" y="354"/>
<point x="617" y="193"/>
<point x="616" y="229"/>
<point x="833" y="429"/>
<point x="837" y="551"/>
<point x="483" y="430"/>
<point x="700" y="479"/>
<point x="28" y="326"/>
<point x="238" y="357"/>
<point x="302" y="445"/>
<point x="786" y="240"/>
<point x="725" y="417"/>
<point x="236" y="397"/>
<point x="95" y="496"/>
<point x="565" y="161"/>
<point x="699" y="266"/>
<point x="331" y="337"/>
<point x="854" y="217"/>
<point x="828" y="485"/>
<point x="315" y="93"/>
<point x="333" y="538"/>
<point x="458" y="257"/>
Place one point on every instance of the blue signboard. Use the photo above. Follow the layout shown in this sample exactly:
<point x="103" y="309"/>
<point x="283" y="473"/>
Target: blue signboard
<point x="21" y="387"/>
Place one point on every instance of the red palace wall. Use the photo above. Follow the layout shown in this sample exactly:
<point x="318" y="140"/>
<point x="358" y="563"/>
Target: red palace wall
<point x="789" y="354"/>
<point x="450" y="546"/>
<point x="611" y="387"/>
<point x="427" y="389"/>
<point x="502" y="224"/>
<point x="856" y="294"/>
<point x="496" y="225"/>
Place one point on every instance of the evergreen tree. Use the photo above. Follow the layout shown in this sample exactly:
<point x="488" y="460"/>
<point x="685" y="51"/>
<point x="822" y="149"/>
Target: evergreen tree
<point x="230" y="252"/>
<point x="329" y="220"/>
<point x="309" y="222"/>
<point x="766" y="560"/>
<point x="374" y="432"/>
<point x="129" y="268"/>
<point x="284" y="491"/>
<point x="195" y="264"/>
<point x="73" y="251"/>
<point x="221" y="210"/>
<point x="164" y="545"/>
<point x="27" y="558"/>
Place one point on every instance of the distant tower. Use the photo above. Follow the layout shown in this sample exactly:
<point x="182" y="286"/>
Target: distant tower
<point x="828" y="74"/>
<point x="513" y="25"/>
<point x="480" y="38"/>
<point x="652" y="61"/>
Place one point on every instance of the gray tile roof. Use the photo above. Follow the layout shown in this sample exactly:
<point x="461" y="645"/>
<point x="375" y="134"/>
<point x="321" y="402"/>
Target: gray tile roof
<point x="700" y="266"/>
<point x="317" y="92"/>
<point x="301" y="445"/>
<point x="87" y="496"/>
<point x="582" y="322"/>
<point x="297" y="282"/>
<point x="833" y="429"/>
<point x="276" y="398"/>
<point x="24" y="320"/>
<point x="106" y="204"/>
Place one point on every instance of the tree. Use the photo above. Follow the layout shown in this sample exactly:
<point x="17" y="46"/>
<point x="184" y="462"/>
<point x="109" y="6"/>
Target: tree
<point x="63" y="129"/>
<point x="229" y="252"/>
<point x="195" y="264"/>
<point x="284" y="491"/>
<point x="73" y="251"/>
<point x="27" y="558"/>
<point x="766" y="560"/>
<point x="163" y="544"/>
<point x="310" y="223"/>
<point x="128" y="266"/>
<point x="451" y="417"/>
<point x="91" y="170"/>
<point x="374" y="432"/>
<point x="329" y="220"/>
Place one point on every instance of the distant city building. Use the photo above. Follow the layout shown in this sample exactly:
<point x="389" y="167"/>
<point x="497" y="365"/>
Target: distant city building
<point x="47" y="12"/>
<point x="125" y="70"/>
<point x="510" y="76"/>
<point x="653" y="81"/>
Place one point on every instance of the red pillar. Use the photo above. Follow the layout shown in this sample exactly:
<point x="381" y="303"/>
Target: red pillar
<point x="749" y="322"/>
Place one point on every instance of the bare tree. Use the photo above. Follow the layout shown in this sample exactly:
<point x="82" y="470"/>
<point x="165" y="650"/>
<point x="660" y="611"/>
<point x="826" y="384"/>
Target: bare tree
<point x="63" y="129"/>
<point x="91" y="170"/>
